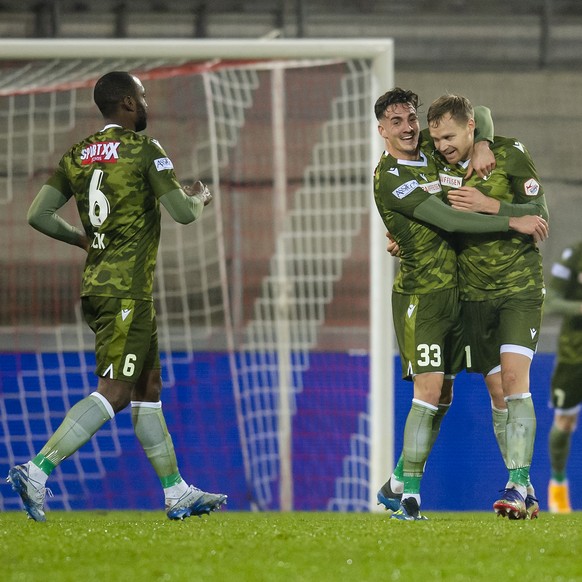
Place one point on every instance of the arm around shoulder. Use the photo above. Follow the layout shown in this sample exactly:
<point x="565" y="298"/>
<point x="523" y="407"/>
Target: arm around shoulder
<point x="436" y="212"/>
<point x="537" y="207"/>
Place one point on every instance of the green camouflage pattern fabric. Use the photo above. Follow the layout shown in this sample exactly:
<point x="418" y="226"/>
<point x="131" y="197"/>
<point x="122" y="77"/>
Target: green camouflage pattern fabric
<point x="427" y="260"/>
<point x="567" y="282"/>
<point x="499" y="264"/>
<point x="117" y="177"/>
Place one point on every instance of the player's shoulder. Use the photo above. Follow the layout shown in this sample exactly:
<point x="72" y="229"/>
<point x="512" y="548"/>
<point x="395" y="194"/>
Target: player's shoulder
<point x="508" y="145"/>
<point x="393" y="171"/>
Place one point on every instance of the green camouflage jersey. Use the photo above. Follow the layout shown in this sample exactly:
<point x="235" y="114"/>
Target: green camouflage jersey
<point x="427" y="260"/>
<point x="117" y="177"/>
<point x="567" y="282"/>
<point x="500" y="264"/>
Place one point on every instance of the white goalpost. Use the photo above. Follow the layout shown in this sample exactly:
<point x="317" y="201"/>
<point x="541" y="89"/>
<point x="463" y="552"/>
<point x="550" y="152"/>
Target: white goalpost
<point x="276" y="275"/>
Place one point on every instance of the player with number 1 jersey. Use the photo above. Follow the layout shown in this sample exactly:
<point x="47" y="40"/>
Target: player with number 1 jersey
<point x="117" y="177"/>
<point x="494" y="265"/>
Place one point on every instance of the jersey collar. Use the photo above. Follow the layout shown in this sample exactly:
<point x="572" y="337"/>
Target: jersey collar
<point x="419" y="163"/>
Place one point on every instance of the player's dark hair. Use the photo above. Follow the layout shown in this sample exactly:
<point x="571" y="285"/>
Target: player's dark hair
<point x="111" y="89"/>
<point x="396" y="95"/>
<point x="457" y="106"/>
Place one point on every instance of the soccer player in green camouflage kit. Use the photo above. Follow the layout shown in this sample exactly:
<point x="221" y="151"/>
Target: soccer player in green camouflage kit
<point x="565" y="298"/>
<point x="425" y="294"/>
<point x="118" y="179"/>
<point x="500" y="281"/>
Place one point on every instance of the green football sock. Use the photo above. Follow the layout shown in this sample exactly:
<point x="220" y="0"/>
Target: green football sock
<point x="399" y="469"/>
<point x="436" y="427"/>
<point x="520" y="435"/>
<point x="417" y="443"/>
<point x="559" y="451"/>
<point x="150" y="428"/>
<point x="499" y="429"/>
<point x="436" y="423"/>
<point x="81" y="422"/>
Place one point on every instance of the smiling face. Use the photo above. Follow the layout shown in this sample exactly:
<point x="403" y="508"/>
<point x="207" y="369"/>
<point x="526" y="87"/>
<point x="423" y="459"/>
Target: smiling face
<point x="453" y="138"/>
<point x="400" y="128"/>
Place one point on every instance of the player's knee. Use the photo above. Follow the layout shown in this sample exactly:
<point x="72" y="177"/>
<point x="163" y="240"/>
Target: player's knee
<point x="566" y="422"/>
<point x="117" y="393"/>
<point x="511" y="381"/>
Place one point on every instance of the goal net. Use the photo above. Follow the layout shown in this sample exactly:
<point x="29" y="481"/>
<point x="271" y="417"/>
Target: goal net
<point x="277" y="389"/>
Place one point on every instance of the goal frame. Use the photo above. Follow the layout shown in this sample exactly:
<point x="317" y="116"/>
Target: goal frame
<point x="381" y="54"/>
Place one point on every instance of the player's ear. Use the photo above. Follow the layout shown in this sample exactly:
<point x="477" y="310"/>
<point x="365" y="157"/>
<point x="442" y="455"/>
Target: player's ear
<point x="128" y="103"/>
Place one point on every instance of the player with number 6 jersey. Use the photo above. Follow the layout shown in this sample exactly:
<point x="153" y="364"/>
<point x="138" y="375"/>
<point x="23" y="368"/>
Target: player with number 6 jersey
<point x="118" y="179"/>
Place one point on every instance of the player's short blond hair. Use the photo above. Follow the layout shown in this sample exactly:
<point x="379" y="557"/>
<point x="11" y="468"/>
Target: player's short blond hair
<point x="457" y="106"/>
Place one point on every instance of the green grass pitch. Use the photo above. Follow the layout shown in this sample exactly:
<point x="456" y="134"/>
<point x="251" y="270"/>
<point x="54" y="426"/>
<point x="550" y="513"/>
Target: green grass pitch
<point x="232" y="546"/>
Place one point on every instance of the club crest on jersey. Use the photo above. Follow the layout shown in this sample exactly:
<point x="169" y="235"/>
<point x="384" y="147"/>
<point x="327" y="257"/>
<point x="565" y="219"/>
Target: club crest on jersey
<point x="100" y="152"/>
<point x="405" y="189"/>
<point x="531" y="187"/>
<point x="450" y="181"/>
<point x="163" y="164"/>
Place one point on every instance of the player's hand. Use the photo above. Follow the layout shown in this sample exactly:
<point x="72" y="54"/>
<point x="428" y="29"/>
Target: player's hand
<point x="534" y="225"/>
<point x="392" y="247"/>
<point x="482" y="161"/>
<point x="199" y="190"/>
<point x="470" y="199"/>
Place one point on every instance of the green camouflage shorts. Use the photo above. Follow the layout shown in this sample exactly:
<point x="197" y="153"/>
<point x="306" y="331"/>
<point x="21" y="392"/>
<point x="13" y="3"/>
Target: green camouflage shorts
<point x="126" y="336"/>
<point x="513" y="321"/>
<point x="429" y="332"/>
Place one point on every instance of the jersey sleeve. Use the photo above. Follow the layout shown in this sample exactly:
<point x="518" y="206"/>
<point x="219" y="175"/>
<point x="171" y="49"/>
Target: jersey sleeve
<point x="435" y="212"/>
<point x="522" y="173"/>
<point x="523" y="176"/>
<point x="59" y="180"/>
<point x="484" y="128"/>
<point x="535" y="207"/>
<point x="160" y="169"/>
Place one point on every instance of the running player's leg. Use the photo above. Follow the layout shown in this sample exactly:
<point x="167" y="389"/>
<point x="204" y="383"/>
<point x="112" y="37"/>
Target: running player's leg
<point x="83" y="420"/>
<point x="559" y="447"/>
<point x="181" y="500"/>
<point x="566" y="400"/>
